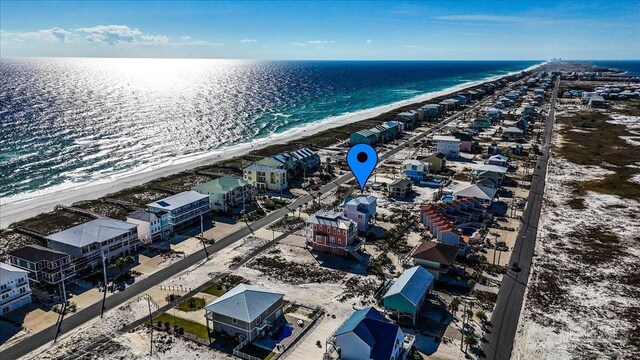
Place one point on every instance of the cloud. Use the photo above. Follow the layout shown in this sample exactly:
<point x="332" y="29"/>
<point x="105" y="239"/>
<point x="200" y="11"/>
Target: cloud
<point x="55" y="34"/>
<point x="413" y="46"/>
<point x="110" y="34"/>
<point x="321" y="48"/>
<point x="319" y="42"/>
<point x="155" y="38"/>
<point x="298" y="44"/>
<point x="245" y="41"/>
<point x="483" y="18"/>
<point x="368" y="41"/>
<point x="185" y="38"/>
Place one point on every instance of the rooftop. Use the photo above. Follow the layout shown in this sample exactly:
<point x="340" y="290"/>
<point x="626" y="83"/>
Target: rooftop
<point x="476" y="191"/>
<point x="435" y="252"/>
<point x="221" y="185"/>
<point x="373" y="329"/>
<point x="37" y="253"/>
<point x="331" y="219"/>
<point x="244" y="302"/>
<point x="178" y="200"/>
<point x="412" y="284"/>
<point x="93" y="231"/>
<point x="5" y="269"/>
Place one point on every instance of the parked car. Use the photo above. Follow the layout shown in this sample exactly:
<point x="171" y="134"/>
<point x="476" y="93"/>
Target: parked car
<point x="515" y="267"/>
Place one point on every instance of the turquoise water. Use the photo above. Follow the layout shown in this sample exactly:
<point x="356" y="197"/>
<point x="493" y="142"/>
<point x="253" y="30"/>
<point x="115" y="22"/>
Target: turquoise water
<point x="71" y="121"/>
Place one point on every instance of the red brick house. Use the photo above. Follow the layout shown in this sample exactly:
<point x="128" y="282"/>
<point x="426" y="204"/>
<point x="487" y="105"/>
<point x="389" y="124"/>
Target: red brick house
<point x="334" y="233"/>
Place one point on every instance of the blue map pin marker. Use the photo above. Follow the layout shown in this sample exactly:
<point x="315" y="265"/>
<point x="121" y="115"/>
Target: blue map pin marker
<point x="362" y="159"/>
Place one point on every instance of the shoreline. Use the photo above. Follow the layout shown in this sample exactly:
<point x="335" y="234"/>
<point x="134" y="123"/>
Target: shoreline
<point x="22" y="207"/>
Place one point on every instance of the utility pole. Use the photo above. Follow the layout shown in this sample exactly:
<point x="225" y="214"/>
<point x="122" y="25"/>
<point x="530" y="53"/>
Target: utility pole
<point x="104" y="271"/>
<point x="204" y="245"/>
<point x="150" y="323"/>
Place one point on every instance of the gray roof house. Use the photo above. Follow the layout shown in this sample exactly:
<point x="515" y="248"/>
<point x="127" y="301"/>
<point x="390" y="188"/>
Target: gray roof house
<point x="246" y="311"/>
<point x="85" y="242"/>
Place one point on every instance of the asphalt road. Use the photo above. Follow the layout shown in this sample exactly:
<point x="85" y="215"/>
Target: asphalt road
<point x="504" y="320"/>
<point x="43" y="337"/>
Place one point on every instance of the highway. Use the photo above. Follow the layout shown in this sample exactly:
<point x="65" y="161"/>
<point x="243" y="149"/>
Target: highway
<point x="70" y="323"/>
<point x="505" y="316"/>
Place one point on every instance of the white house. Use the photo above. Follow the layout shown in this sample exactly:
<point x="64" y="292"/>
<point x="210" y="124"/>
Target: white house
<point x="483" y="193"/>
<point x="366" y="335"/>
<point x="182" y="208"/>
<point x="86" y="242"/>
<point x="14" y="288"/>
<point x="151" y="227"/>
<point x="361" y="210"/>
<point x="493" y="113"/>
<point x="498" y="160"/>
<point x="448" y="145"/>
<point x="226" y="192"/>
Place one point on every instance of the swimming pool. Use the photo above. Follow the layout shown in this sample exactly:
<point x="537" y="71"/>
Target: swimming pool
<point x="447" y="198"/>
<point x="283" y="332"/>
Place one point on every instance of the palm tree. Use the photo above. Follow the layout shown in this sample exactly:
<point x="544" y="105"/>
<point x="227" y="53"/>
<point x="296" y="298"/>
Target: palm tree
<point x="481" y="315"/>
<point x="454" y="305"/>
<point x="470" y="339"/>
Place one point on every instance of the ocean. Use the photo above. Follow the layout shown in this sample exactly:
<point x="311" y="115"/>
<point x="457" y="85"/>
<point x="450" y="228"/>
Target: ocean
<point x="67" y="122"/>
<point x="630" y="67"/>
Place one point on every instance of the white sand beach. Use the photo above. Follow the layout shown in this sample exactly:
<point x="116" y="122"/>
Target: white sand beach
<point x="28" y="205"/>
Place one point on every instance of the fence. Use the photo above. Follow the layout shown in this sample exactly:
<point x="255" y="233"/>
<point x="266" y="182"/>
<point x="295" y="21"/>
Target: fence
<point x="315" y="321"/>
<point x="240" y="354"/>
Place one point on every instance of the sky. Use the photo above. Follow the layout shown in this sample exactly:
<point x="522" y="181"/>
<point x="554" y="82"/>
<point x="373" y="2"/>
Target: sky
<point x="299" y="30"/>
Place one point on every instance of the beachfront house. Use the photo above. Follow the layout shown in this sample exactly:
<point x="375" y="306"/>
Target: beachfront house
<point x="151" y="226"/>
<point x="408" y="293"/>
<point x="246" y="312"/>
<point x="266" y="177"/>
<point x="182" y="209"/>
<point x="430" y="111"/>
<point x="415" y="170"/>
<point x="226" y="193"/>
<point x="305" y="159"/>
<point x="435" y="257"/>
<point x="448" y="145"/>
<point x="367" y="335"/>
<point x="361" y="210"/>
<point x="437" y="162"/>
<point x="484" y="193"/>
<point x="15" y="291"/>
<point x="283" y="160"/>
<point x="408" y="118"/>
<point x="45" y="266"/>
<point x="87" y="242"/>
<point x="466" y="140"/>
<point x="334" y="233"/>
<point x="400" y="188"/>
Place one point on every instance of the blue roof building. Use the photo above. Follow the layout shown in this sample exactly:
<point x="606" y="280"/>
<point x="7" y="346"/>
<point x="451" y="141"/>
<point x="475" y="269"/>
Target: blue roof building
<point x="363" y="137"/>
<point x="366" y="335"/>
<point x="408" y="292"/>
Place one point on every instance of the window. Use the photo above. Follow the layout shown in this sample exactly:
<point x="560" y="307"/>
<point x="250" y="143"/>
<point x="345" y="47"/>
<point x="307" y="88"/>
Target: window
<point x="234" y="321"/>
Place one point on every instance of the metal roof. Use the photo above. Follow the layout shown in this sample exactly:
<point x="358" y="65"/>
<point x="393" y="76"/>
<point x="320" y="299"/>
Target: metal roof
<point x="220" y="186"/>
<point x="331" y="219"/>
<point x="37" y="253"/>
<point x="264" y="168"/>
<point x="366" y="200"/>
<point x="142" y="215"/>
<point x="244" y="302"/>
<point x="178" y="200"/>
<point x="476" y="191"/>
<point x="93" y="231"/>
<point x="412" y="285"/>
<point x="492" y="168"/>
<point x="373" y="329"/>
<point x="5" y="269"/>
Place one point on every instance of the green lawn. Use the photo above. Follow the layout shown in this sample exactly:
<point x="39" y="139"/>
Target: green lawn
<point x="215" y="290"/>
<point x="191" y="327"/>
<point x="193" y="304"/>
<point x="257" y="351"/>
